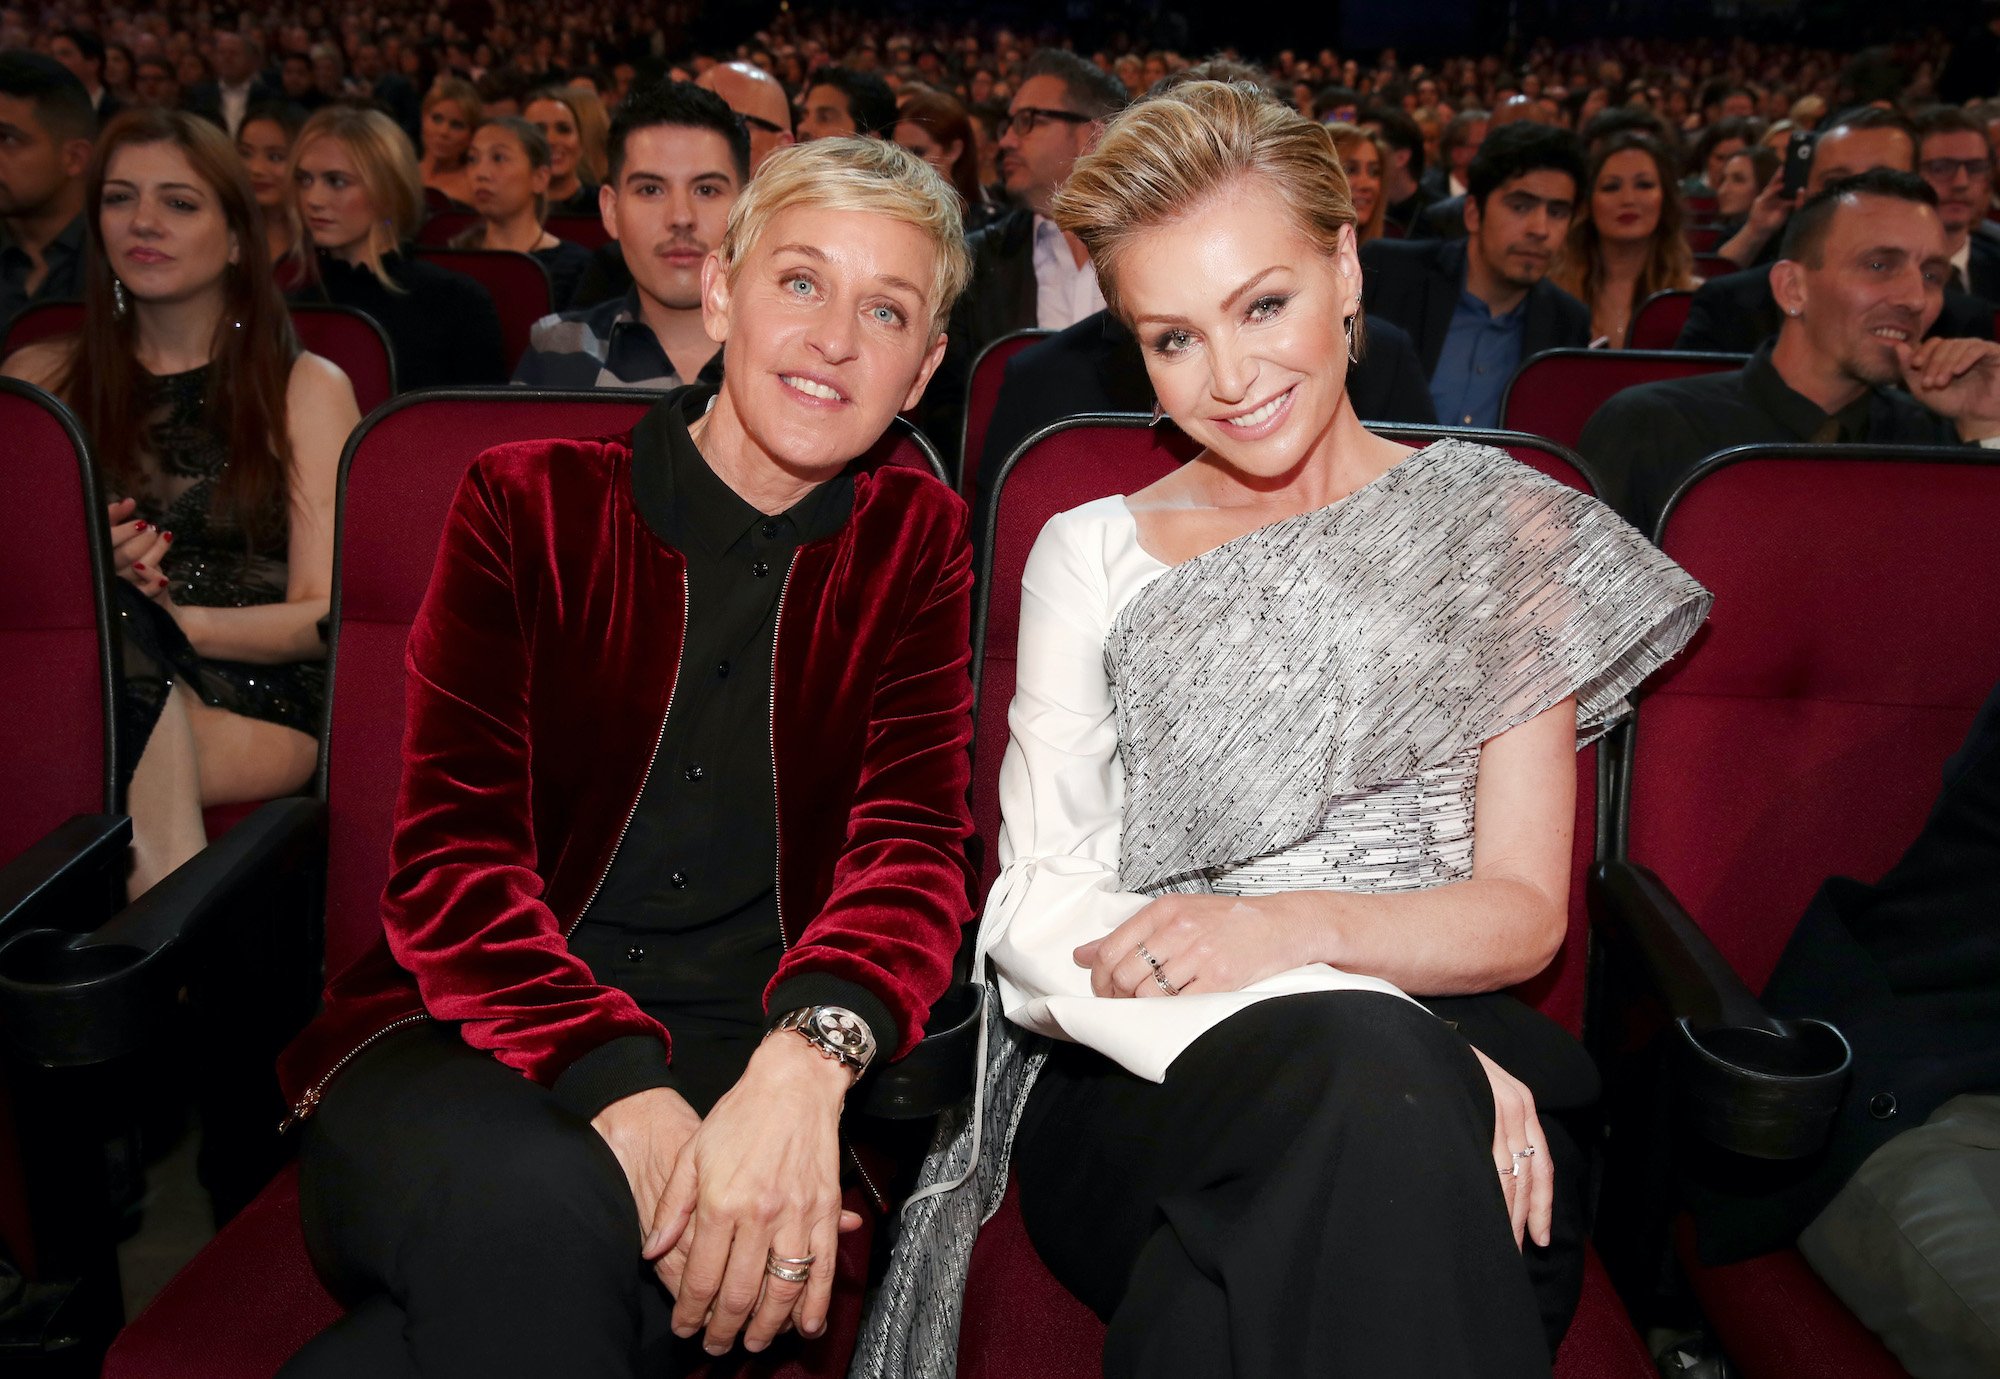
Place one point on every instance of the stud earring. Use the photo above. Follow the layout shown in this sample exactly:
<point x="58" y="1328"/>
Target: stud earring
<point x="120" y="304"/>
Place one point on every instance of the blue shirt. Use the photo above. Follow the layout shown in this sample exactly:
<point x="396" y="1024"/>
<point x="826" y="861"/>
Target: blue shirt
<point x="1480" y="354"/>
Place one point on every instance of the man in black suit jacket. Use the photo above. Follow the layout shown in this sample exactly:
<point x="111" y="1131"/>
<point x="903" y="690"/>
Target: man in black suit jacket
<point x="1096" y="366"/>
<point x="1476" y="308"/>
<point x="1954" y="157"/>
<point x="1898" y="1212"/>
<point x="1057" y="114"/>
<point x="237" y="85"/>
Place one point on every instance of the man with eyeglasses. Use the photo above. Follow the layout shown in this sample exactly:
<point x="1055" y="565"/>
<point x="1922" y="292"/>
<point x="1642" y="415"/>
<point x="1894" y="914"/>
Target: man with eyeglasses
<point x="758" y="100"/>
<point x="1026" y="272"/>
<point x="1953" y="156"/>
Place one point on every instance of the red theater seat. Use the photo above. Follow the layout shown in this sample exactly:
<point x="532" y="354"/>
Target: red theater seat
<point x="250" y="1299"/>
<point x="518" y="283"/>
<point x="348" y="337"/>
<point x="1801" y="738"/>
<point x="587" y="230"/>
<point x="442" y="227"/>
<point x="1018" y="1319"/>
<point x="982" y="394"/>
<point x="1555" y="393"/>
<point x="1657" y="324"/>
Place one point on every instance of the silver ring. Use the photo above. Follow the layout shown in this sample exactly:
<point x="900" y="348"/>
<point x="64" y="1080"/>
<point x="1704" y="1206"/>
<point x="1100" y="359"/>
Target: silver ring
<point x="779" y="1271"/>
<point x="1160" y="980"/>
<point x="1527" y="1153"/>
<point x="802" y="1262"/>
<point x="1512" y="1170"/>
<point x="1147" y="954"/>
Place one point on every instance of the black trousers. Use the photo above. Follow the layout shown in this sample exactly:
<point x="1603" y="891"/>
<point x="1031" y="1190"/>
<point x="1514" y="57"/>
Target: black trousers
<point x="474" y="1227"/>
<point x="1312" y="1191"/>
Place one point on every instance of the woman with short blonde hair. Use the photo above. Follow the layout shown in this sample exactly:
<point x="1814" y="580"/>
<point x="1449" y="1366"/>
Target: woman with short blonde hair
<point x="1286" y="808"/>
<point x="585" y="1095"/>
<point x="451" y="112"/>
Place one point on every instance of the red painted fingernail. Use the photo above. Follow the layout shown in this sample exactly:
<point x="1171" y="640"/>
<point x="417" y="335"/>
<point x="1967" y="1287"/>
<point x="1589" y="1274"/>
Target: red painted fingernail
<point x="167" y="535"/>
<point x="140" y="526"/>
<point x="140" y="568"/>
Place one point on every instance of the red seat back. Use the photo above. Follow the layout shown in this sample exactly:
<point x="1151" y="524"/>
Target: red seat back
<point x="982" y="395"/>
<point x="1715" y="266"/>
<point x="1703" y="238"/>
<point x="1656" y="325"/>
<point x="1855" y="633"/>
<point x="518" y="283"/>
<point x="587" y="230"/>
<point x="442" y="227"/>
<point x="55" y="661"/>
<point x="355" y="343"/>
<point x="399" y="473"/>
<point x="42" y="321"/>
<point x="351" y="339"/>
<point x="1086" y="458"/>
<point x="1701" y="205"/>
<point x="1557" y="391"/>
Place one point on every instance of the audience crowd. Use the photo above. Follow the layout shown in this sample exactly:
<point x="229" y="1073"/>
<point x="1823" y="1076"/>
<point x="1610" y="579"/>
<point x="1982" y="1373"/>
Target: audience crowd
<point x="185" y="172"/>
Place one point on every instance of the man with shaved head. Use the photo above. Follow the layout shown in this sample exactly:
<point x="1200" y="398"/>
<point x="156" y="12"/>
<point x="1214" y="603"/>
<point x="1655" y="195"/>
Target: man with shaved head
<point x="754" y="94"/>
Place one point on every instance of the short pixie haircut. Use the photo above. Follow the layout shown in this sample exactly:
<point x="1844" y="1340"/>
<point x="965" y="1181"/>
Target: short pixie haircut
<point x="1167" y="155"/>
<point x="856" y="175"/>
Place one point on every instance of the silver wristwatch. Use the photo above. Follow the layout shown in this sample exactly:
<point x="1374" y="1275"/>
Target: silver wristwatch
<point x="836" y="1032"/>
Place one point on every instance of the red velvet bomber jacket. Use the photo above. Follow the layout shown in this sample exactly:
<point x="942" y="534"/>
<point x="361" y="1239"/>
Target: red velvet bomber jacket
<point x="540" y="671"/>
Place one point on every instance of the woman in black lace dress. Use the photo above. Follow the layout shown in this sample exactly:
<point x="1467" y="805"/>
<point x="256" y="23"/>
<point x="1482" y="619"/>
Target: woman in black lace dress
<point x="221" y="440"/>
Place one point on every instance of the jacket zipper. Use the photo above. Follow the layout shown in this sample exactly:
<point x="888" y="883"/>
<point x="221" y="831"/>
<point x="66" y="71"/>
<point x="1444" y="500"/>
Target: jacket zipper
<point x="672" y="691"/>
<point x="778" y="877"/>
<point x="309" y="1100"/>
<point x="777" y="829"/>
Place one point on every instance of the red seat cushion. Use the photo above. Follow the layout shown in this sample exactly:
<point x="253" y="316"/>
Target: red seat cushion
<point x="1777" y="1318"/>
<point x="982" y="394"/>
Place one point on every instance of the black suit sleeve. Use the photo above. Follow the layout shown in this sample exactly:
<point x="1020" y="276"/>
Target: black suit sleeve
<point x="1706" y="328"/>
<point x="481" y="357"/>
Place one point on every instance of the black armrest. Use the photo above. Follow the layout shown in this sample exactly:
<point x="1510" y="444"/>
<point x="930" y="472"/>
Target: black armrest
<point x="938" y="1072"/>
<point x="68" y="999"/>
<point x="69" y="875"/>
<point x="1751" y="1083"/>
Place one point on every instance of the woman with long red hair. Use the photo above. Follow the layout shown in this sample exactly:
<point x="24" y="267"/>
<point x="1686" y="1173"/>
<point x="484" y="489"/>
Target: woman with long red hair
<point x="936" y="128"/>
<point x="222" y="440"/>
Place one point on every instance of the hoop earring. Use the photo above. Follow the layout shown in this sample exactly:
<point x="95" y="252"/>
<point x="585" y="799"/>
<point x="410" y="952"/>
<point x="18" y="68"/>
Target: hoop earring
<point x="120" y="304"/>
<point x="1351" y="356"/>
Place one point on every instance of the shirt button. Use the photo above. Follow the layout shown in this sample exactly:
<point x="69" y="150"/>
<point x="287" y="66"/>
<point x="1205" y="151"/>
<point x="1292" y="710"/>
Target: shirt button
<point x="760" y="569"/>
<point x="694" y="772"/>
<point x="679" y="880"/>
<point x="770" y="530"/>
<point x="722" y="671"/>
<point x="635" y="954"/>
<point x="1882" y="1105"/>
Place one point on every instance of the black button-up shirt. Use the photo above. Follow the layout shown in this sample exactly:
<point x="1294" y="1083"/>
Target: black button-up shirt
<point x="1644" y="442"/>
<point x="687" y="920"/>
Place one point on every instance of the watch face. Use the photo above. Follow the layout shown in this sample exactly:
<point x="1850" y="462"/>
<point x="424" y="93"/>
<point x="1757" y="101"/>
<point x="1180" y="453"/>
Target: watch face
<point x="842" y="1030"/>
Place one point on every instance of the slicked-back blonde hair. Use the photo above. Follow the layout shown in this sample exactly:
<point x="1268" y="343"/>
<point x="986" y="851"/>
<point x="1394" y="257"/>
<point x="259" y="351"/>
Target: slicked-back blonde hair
<point x="1170" y="154"/>
<point x="856" y="175"/>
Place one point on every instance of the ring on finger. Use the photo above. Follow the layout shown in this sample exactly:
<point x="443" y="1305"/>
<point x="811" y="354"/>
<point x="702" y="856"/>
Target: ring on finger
<point x="1143" y="951"/>
<point x="787" y="1273"/>
<point x="1512" y="1170"/>
<point x="1160" y="980"/>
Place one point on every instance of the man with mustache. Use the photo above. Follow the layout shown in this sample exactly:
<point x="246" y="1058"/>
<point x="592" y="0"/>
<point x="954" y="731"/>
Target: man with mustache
<point x="679" y="157"/>
<point x="1860" y="280"/>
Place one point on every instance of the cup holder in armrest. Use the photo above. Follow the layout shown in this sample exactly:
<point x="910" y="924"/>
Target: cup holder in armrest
<point x="66" y="1002"/>
<point x="1766" y="1093"/>
<point x="938" y="1072"/>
